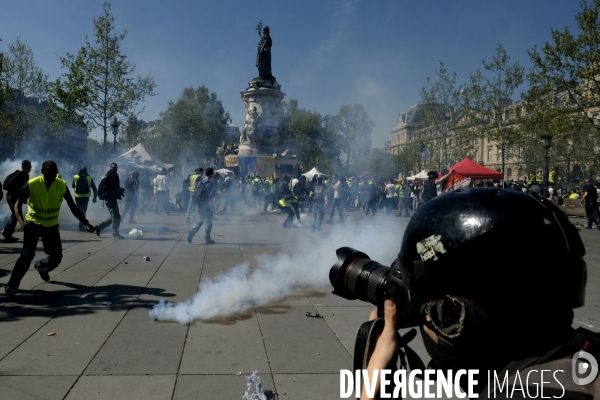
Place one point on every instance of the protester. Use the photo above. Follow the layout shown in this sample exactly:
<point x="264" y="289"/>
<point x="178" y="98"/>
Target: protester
<point x="84" y="185"/>
<point x="162" y="196"/>
<point x="13" y="184"/>
<point x="44" y="195"/>
<point x="203" y="199"/>
<point x="131" y="195"/>
<point x="110" y="191"/>
<point x="590" y="198"/>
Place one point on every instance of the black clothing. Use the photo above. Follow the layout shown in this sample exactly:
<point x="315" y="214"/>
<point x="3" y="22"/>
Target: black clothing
<point x="82" y="204"/>
<point x="83" y="175"/>
<point x="10" y="226"/>
<point x="52" y="246"/>
<point x="21" y="179"/>
<point x="114" y="218"/>
<point x="112" y="186"/>
<point x="429" y="190"/>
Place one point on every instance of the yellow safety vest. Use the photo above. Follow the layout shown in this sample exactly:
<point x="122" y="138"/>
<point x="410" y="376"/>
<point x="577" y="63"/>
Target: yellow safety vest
<point x="288" y="203"/>
<point x="44" y="204"/>
<point x="89" y="179"/>
<point x="155" y="185"/>
<point x="193" y="182"/>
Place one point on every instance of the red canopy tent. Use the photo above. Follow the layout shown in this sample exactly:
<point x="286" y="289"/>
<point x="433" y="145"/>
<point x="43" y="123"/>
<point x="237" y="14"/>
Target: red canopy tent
<point x="470" y="169"/>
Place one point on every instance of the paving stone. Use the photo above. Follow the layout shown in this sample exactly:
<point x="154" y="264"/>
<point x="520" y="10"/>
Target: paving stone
<point x="36" y="387"/>
<point x="128" y="387"/>
<point x="219" y="386"/>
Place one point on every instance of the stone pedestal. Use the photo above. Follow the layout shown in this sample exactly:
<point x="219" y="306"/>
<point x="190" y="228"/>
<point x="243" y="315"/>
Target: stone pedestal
<point x="262" y="104"/>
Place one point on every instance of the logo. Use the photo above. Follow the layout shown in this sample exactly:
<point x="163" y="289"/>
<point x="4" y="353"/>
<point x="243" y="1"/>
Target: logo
<point x="584" y="368"/>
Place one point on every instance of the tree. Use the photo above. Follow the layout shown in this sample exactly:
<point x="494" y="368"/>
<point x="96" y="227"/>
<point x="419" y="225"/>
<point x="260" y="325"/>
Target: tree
<point x="571" y="63"/>
<point x="380" y="163"/>
<point x="487" y="100"/>
<point x="191" y="128"/>
<point x="103" y="73"/>
<point x="442" y="102"/>
<point x="25" y="86"/>
<point x="315" y="138"/>
<point x="354" y="128"/>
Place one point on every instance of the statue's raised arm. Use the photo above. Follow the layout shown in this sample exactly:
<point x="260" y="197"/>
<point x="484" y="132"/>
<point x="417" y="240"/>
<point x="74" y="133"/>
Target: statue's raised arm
<point x="263" y="57"/>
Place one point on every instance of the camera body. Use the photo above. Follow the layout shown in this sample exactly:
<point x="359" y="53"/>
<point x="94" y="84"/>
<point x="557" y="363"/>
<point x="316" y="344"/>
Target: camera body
<point x="355" y="276"/>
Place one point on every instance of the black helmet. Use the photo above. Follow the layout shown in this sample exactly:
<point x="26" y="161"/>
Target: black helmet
<point x="320" y="179"/>
<point x="451" y="247"/>
<point x="432" y="175"/>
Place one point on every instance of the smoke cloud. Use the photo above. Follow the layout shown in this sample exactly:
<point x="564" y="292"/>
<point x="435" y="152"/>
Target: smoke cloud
<point x="277" y="276"/>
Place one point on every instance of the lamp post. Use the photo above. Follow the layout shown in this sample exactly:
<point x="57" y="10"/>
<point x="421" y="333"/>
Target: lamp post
<point x="115" y="128"/>
<point x="546" y="143"/>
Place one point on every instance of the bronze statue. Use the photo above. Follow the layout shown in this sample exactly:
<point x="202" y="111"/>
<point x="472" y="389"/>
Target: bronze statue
<point x="263" y="57"/>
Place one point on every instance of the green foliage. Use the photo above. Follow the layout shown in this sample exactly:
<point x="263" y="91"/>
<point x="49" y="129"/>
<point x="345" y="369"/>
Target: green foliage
<point x="353" y="127"/>
<point x="315" y="137"/>
<point x="489" y="96"/>
<point x="442" y="102"/>
<point x="191" y="128"/>
<point x="377" y="162"/>
<point x="571" y="63"/>
<point x="25" y="83"/>
<point x="100" y="77"/>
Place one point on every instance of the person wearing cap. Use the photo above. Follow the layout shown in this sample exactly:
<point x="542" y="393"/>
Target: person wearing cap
<point x="44" y="195"/>
<point x="12" y="192"/>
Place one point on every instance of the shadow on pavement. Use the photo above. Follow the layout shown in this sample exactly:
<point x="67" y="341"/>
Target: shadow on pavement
<point x="79" y="299"/>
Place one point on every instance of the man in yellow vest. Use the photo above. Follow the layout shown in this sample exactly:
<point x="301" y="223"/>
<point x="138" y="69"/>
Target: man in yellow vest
<point x="192" y="185"/>
<point x="45" y="193"/>
<point x="84" y="185"/>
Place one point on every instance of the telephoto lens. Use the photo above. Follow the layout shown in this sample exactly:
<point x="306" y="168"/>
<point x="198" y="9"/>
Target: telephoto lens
<point x="356" y="276"/>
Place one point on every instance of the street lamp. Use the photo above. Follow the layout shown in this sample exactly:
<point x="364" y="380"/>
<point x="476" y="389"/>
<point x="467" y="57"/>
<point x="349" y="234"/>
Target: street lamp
<point x="546" y="143"/>
<point x="115" y="128"/>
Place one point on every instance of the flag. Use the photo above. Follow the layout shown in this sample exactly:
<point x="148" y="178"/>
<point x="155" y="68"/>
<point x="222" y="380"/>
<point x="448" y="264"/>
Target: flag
<point x="456" y="181"/>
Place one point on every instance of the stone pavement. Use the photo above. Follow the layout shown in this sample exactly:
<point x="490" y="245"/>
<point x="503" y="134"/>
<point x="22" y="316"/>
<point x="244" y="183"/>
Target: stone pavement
<point x="117" y="351"/>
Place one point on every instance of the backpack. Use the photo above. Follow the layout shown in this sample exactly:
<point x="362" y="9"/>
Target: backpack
<point x="101" y="189"/>
<point x="9" y="181"/>
<point x="319" y="193"/>
<point x="82" y="186"/>
<point x="200" y="194"/>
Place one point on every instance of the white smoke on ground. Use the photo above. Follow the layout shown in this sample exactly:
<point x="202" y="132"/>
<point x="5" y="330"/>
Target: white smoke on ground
<point x="279" y="275"/>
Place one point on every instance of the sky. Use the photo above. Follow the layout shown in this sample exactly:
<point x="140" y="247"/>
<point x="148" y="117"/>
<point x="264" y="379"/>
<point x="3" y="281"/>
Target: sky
<point x="325" y="53"/>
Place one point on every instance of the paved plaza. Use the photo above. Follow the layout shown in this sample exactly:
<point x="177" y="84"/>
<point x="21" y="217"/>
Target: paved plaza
<point x="107" y="347"/>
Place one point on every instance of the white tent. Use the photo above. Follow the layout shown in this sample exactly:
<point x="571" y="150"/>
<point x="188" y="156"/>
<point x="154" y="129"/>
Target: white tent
<point x="142" y="159"/>
<point x="420" y="175"/>
<point x="224" y="171"/>
<point x="309" y="175"/>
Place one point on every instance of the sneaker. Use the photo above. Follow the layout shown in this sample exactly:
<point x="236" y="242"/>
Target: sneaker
<point x="117" y="236"/>
<point x="10" y="239"/>
<point x="10" y="291"/>
<point x="319" y="230"/>
<point x="209" y="241"/>
<point x="190" y="237"/>
<point x="43" y="274"/>
<point x="97" y="230"/>
<point x="187" y="221"/>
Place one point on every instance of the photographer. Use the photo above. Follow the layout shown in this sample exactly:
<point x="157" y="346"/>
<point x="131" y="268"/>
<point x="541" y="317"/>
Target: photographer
<point x="473" y="311"/>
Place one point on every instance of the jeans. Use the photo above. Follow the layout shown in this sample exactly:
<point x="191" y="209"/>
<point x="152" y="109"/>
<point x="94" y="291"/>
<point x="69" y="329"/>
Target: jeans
<point x="318" y="213"/>
<point x="337" y="203"/>
<point x="163" y="200"/>
<point x="52" y="247"/>
<point x="403" y="206"/>
<point x="9" y="229"/>
<point x="590" y="212"/>
<point x="389" y="205"/>
<point x="114" y="219"/>
<point x="131" y="203"/>
<point x="372" y="206"/>
<point x="191" y="205"/>
<point x="82" y="204"/>
<point x="204" y="215"/>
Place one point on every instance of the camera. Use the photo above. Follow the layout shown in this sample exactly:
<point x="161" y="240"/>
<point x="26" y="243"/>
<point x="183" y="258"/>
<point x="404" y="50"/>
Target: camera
<point x="356" y="276"/>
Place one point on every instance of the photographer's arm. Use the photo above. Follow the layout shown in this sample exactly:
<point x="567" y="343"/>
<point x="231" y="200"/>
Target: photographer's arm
<point x="386" y="347"/>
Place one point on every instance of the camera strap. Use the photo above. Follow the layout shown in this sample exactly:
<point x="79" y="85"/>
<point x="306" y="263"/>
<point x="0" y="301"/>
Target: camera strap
<point x="366" y="339"/>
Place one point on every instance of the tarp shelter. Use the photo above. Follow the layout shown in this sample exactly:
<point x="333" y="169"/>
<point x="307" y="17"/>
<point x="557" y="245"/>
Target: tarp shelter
<point x="309" y="175"/>
<point x="470" y="169"/>
<point x="420" y="175"/>
<point x="224" y="171"/>
<point x="142" y="159"/>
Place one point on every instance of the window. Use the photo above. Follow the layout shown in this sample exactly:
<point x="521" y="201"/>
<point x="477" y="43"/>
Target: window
<point x="509" y="174"/>
<point x="596" y="118"/>
<point x="477" y="155"/>
<point x="489" y="156"/>
<point x="506" y="115"/>
<point x="499" y="155"/>
<point x="520" y="173"/>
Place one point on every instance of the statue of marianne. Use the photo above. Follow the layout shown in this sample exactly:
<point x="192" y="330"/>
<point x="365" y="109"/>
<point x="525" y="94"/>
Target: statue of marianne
<point x="263" y="57"/>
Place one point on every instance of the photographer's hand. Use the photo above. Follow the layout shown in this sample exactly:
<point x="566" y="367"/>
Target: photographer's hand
<point x="386" y="347"/>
